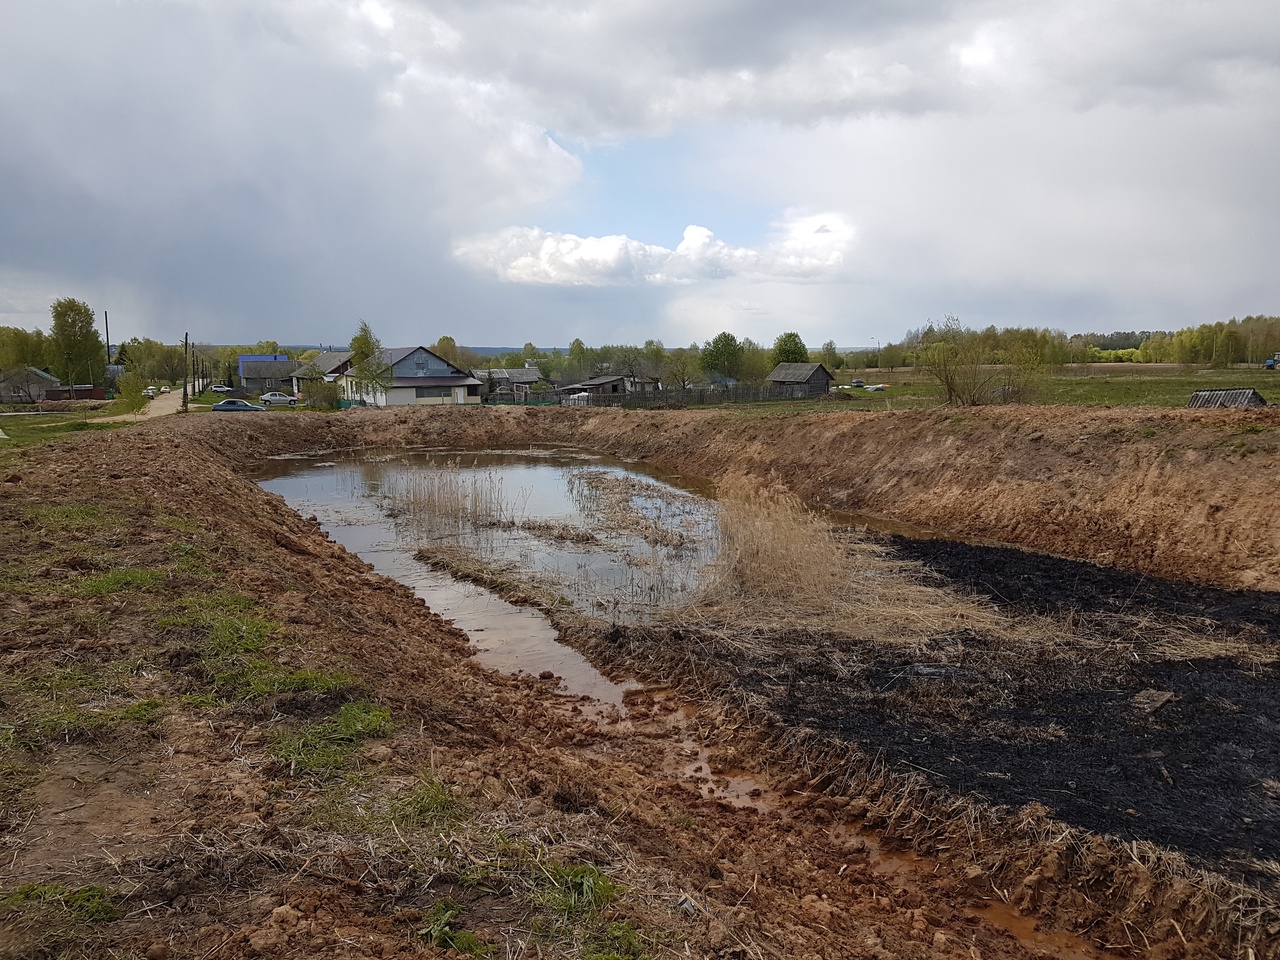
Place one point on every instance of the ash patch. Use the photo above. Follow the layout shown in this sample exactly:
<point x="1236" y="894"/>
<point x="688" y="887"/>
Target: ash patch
<point x="1113" y="731"/>
<point x="1036" y="583"/>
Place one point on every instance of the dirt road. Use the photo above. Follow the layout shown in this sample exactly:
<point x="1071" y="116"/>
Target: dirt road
<point x="162" y="404"/>
<point x="196" y="762"/>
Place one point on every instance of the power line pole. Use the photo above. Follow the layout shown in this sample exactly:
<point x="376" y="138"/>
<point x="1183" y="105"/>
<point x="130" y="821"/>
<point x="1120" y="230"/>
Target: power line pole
<point x="186" y="368"/>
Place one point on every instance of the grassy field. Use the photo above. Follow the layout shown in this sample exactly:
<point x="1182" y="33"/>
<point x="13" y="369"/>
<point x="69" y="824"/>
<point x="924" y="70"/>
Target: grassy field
<point x="1093" y="385"/>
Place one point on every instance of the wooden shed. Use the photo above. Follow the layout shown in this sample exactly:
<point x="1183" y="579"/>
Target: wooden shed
<point x="806" y="379"/>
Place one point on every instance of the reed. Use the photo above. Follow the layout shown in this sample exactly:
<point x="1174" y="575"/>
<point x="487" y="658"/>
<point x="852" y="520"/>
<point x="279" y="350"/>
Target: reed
<point x="781" y="566"/>
<point x="451" y="499"/>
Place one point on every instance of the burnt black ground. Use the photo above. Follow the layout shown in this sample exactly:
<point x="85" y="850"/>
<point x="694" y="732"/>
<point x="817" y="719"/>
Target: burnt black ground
<point x="1200" y="774"/>
<point x="1060" y="724"/>
<point x="1037" y="583"/>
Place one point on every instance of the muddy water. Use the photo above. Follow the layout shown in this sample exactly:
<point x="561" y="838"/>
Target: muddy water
<point x="364" y="503"/>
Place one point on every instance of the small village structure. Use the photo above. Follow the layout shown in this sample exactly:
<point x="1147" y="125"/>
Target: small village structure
<point x="418" y="378"/>
<point x="262" y="373"/>
<point x="803" y="379"/>
<point x="1241" y="397"/>
<point x="516" y="384"/>
<point x="610" y="386"/>
<point x="30" y="385"/>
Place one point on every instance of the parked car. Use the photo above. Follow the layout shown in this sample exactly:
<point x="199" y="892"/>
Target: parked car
<point x="149" y="391"/>
<point x="220" y="388"/>
<point x="857" y="382"/>
<point x="165" y="390"/>
<point x="267" y="399"/>
<point x="875" y="387"/>
<point x="232" y="404"/>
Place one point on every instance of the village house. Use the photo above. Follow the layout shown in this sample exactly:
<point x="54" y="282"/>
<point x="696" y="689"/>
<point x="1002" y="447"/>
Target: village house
<point x="27" y="385"/>
<point x="418" y="378"/>
<point x="263" y="373"/>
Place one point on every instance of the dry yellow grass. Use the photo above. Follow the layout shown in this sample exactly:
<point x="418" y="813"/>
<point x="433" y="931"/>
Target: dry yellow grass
<point x="781" y="566"/>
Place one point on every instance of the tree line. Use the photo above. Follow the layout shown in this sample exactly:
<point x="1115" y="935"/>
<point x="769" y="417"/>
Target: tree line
<point x="73" y="351"/>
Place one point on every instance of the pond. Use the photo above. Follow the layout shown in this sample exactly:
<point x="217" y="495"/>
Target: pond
<point x="614" y="539"/>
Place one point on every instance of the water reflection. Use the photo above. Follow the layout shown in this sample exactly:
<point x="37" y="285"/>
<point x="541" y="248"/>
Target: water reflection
<point x="613" y="539"/>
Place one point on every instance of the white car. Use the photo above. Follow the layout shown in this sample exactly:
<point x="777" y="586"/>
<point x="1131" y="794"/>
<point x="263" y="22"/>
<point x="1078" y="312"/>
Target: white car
<point x="220" y="388"/>
<point x="267" y="399"/>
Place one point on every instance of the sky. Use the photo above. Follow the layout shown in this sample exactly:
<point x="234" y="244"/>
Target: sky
<point x="626" y="170"/>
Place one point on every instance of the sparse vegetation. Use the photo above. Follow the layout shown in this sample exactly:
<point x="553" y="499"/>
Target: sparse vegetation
<point x="575" y="891"/>
<point x="325" y="746"/>
<point x="79" y="722"/>
<point x="440" y="931"/>
<point x="427" y="803"/>
<point x="88" y="904"/>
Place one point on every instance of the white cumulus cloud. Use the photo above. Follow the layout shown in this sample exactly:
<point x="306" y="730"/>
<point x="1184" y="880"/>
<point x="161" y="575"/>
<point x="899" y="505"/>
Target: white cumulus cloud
<point x="801" y="247"/>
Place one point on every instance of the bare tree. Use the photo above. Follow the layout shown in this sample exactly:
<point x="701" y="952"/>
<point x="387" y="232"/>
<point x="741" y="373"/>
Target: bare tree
<point x="955" y="356"/>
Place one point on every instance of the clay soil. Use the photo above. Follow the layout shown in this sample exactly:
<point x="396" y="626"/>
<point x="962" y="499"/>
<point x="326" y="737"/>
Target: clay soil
<point x="169" y="632"/>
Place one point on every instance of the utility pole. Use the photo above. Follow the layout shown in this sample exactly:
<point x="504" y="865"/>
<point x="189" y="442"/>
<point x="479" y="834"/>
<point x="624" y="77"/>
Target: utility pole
<point x="186" y="368"/>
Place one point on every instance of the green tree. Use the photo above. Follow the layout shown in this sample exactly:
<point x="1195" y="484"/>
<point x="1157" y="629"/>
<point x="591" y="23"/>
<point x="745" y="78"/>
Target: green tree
<point x="789" y="348"/>
<point x="954" y="356"/>
<point x="655" y="358"/>
<point x="369" y="368"/>
<point x="75" y="351"/>
<point x="681" y="366"/>
<point x="129" y="395"/>
<point x="446" y="348"/>
<point x="722" y="355"/>
<point x="756" y="361"/>
<point x="831" y="358"/>
<point x="578" y="364"/>
<point x="22" y="348"/>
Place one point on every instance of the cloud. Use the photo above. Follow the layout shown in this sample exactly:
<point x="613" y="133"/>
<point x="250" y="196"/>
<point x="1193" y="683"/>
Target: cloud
<point x="804" y="247"/>
<point x="289" y="165"/>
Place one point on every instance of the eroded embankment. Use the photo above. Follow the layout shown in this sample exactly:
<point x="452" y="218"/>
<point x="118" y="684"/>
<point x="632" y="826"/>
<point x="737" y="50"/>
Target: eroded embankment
<point x="1180" y="494"/>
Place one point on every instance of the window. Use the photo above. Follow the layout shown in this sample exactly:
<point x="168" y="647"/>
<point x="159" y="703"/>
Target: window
<point x="423" y="393"/>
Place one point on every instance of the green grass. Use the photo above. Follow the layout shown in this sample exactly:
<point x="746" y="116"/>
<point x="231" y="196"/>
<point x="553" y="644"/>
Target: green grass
<point x="89" y="904"/>
<point x="576" y="891"/>
<point x="81" y="722"/>
<point x="325" y="746"/>
<point x="118" y="581"/>
<point x="32" y="428"/>
<point x="226" y="624"/>
<point x="255" y="679"/>
<point x="440" y="931"/>
<point x="77" y="516"/>
<point x="63" y="681"/>
<point x="429" y="803"/>
<point x="1096" y="385"/>
<point x="620" y="941"/>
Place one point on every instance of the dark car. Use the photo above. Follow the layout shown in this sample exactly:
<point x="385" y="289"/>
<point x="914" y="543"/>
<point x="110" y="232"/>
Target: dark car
<point x="227" y="406"/>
